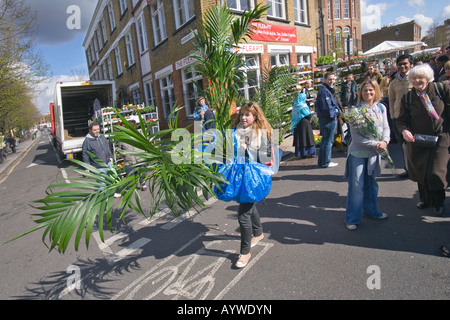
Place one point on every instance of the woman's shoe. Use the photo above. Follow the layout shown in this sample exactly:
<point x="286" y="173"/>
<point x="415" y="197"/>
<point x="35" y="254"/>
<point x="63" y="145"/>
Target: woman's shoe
<point x="243" y="260"/>
<point x="439" y="211"/>
<point x="421" y="205"/>
<point x="444" y="251"/>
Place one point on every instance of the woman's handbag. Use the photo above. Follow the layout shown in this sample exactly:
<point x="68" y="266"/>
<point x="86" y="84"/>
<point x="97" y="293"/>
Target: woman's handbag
<point x="425" y="140"/>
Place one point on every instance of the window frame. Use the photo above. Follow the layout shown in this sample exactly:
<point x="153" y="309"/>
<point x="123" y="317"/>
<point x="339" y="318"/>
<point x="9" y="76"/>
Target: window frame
<point x="274" y="4"/>
<point x="183" y="11"/>
<point x="158" y="22"/>
<point x="130" y="49"/>
<point x="301" y="11"/>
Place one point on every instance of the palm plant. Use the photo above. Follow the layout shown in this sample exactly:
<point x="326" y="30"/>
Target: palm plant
<point x="276" y="96"/>
<point x="219" y="60"/>
<point x="86" y="202"/>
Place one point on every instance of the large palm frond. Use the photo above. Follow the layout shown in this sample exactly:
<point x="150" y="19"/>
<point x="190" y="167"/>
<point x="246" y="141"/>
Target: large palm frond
<point x="76" y="207"/>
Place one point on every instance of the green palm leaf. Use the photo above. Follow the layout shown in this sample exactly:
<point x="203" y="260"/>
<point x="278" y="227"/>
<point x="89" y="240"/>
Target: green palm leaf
<point x="76" y="207"/>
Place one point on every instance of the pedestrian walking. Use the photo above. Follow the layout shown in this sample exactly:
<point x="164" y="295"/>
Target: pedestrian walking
<point x="253" y="133"/>
<point x="364" y="159"/>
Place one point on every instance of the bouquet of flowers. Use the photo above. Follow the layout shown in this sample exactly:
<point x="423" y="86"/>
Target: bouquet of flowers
<point x="359" y="119"/>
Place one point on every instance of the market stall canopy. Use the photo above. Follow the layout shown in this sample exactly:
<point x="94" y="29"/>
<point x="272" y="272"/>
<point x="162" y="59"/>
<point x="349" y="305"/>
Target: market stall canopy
<point x="392" y="46"/>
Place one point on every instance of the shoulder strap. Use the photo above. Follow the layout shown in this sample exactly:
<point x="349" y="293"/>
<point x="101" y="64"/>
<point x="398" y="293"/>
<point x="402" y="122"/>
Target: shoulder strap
<point x="439" y="88"/>
<point x="408" y="100"/>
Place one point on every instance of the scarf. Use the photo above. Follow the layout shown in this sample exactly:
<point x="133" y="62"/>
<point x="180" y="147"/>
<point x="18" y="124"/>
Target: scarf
<point x="428" y="105"/>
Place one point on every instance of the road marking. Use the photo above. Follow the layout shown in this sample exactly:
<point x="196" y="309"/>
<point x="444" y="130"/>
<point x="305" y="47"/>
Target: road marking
<point x="112" y="257"/>
<point x="188" y="214"/>
<point x="192" y="276"/>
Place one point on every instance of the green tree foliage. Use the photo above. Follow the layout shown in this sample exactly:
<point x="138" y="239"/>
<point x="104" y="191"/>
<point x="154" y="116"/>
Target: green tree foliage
<point x="21" y="69"/>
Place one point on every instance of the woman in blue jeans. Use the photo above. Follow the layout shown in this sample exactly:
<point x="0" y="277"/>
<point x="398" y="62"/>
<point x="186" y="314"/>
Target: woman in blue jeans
<point x="364" y="159"/>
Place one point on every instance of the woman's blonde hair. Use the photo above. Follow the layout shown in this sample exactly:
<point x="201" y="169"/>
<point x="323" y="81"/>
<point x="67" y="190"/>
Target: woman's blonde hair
<point x="260" y="119"/>
<point x="375" y="85"/>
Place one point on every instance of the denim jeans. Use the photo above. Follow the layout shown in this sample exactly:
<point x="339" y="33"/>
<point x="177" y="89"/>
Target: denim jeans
<point x="249" y="225"/>
<point x="362" y="191"/>
<point x="327" y="128"/>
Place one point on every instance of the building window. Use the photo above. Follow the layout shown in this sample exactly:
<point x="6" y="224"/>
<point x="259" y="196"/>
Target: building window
<point x="158" y="21"/>
<point x="99" y="39"/>
<point x="337" y="9"/>
<point x="167" y="95"/>
<point x="105" y="74"/>
<point x="301" y="11"/>
<point x="338" y="37"/>
<point x="346" y="9"/>
<point x="149" y="94"/>
<point x="94" y="41"/>
<point x="251" y="75"/>
<point x="88" y="56"/>
<point x="118" y="61"/>
<point x="123" y="6"/>
<point x="330" y="39"/>
<point x="183" y="10"/>
<point x="279" y="59"/>
<point x="277" y="8"/>
<point x="112" y="20"/>
<point x="303" y="59"/>
<point x="102" y="26"/>
<point x="111" y="76"/>
<point x="142" y="34"/>
<point x="130" y="50"/>
<point x="353" y="9"/>
<point x="193" y="85"/>
<point x="240" y="5"/>
<point x="136" y="94"/>
<point x="329" y="9"/>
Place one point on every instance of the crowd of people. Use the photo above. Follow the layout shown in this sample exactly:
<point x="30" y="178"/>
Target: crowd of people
<point x="408" y="104"/>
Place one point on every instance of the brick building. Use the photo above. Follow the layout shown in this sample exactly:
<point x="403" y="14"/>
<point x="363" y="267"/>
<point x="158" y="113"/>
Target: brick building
<point x="341" y="22"/>
<point x="409" y="31"/>
<point x="144" y="45"/>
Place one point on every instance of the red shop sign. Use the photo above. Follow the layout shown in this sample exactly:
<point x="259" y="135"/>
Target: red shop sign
<point x="274" y="33"/>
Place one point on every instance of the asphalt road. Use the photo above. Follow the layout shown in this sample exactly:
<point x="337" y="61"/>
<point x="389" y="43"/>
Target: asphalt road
<point x="307" y="252"/>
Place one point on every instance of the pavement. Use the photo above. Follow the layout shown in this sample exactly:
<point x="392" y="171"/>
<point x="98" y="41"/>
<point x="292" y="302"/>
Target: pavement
<point x="14" y="158"/>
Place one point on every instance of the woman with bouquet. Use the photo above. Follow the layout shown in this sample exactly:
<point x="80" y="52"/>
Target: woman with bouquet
<point x="370" y="136"/>
<point x="425" y="111"/>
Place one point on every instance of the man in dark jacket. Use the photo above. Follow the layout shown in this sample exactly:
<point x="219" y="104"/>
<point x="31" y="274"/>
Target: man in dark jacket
<point x="328" y="111"/>
<point x="98" y="145"/>
<point x="349" y="92"/>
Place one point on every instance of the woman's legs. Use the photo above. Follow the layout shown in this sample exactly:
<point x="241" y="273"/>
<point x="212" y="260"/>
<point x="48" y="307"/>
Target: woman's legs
<point x="249" y="224"/>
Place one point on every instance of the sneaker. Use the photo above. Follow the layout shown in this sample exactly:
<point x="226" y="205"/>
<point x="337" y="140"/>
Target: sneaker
<point x="117" y="195"/>
<point x="255" y="240"/>
<point x="383" y="216"/>
<point x="332" y="164"/>
<point x="351" y="226"/>
<point x="243" y="260"/>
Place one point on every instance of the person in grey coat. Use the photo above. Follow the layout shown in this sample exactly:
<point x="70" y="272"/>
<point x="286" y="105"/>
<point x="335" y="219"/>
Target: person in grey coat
<point x="98" y="145"/>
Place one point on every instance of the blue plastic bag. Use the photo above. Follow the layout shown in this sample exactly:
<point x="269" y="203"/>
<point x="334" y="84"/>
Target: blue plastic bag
<point x="248" y="182"/>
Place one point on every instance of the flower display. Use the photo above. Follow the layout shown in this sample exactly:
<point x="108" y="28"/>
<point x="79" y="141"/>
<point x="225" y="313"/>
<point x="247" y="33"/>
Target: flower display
<point x="360" y="120"/>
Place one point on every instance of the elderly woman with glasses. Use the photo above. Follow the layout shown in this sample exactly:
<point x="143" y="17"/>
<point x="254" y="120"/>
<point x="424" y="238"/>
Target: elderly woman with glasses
<point x="425" y="111"/>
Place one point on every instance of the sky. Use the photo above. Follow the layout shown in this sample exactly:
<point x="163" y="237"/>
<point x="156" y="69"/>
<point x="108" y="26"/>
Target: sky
<point x="61" y="46"/>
